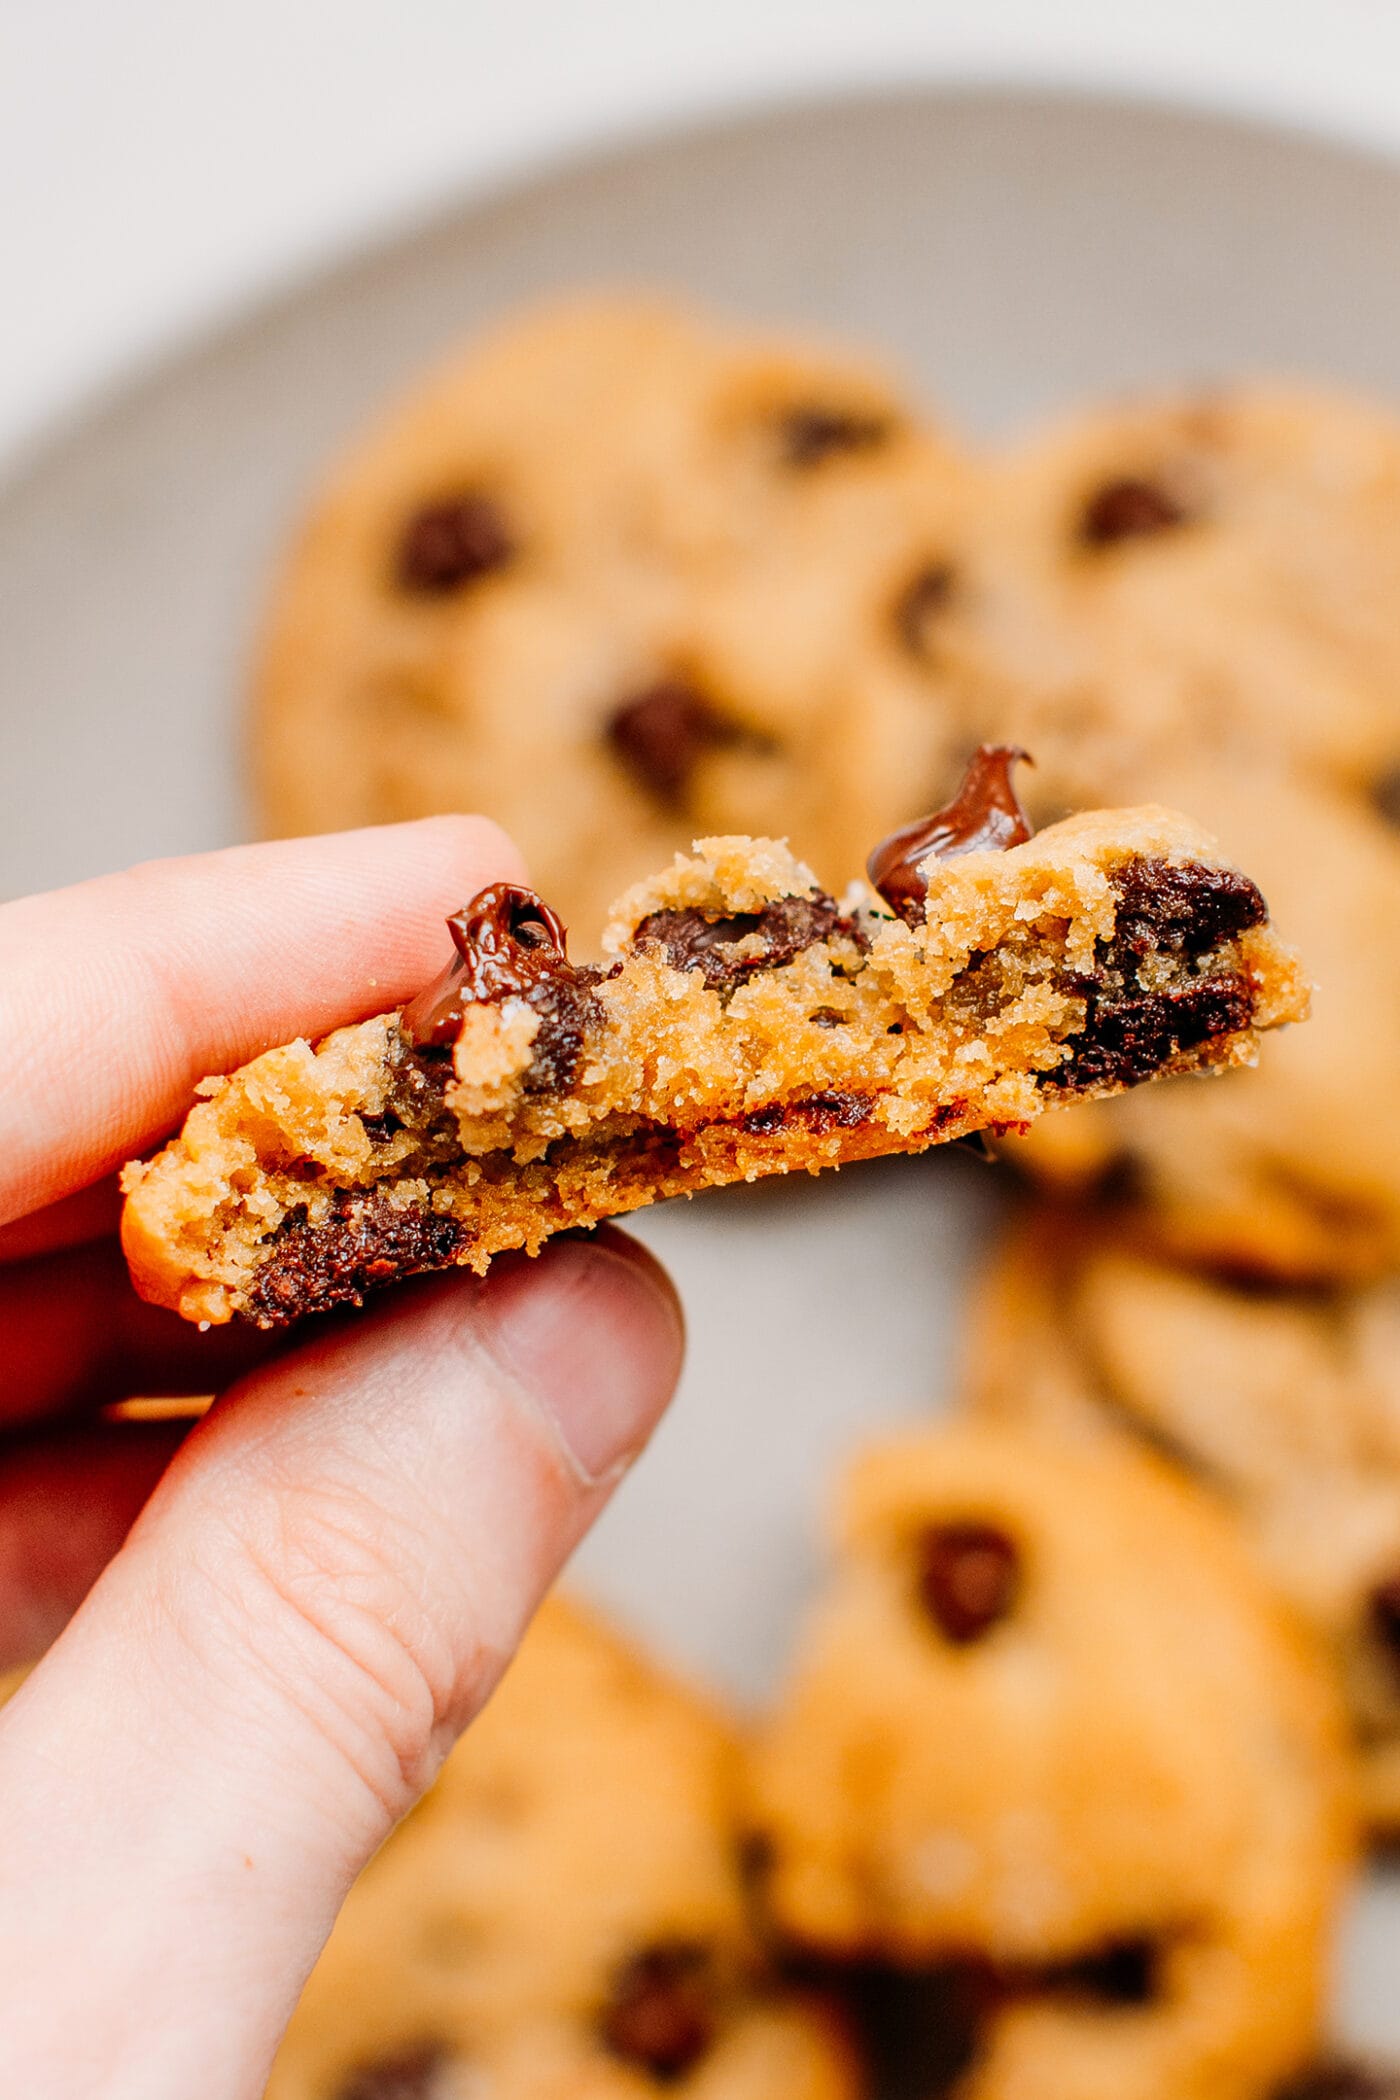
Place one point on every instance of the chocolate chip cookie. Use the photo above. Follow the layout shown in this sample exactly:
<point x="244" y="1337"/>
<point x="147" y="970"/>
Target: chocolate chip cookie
<point x="750" y="1023"/>
<point x="564" y="1913"/>
<point x="1192" y="600"/>
<point x="617" y="576"/>
<point x="1285" y="1405"/>
<point x="1057" y="1768"/>
<point x="1216" y="573"/>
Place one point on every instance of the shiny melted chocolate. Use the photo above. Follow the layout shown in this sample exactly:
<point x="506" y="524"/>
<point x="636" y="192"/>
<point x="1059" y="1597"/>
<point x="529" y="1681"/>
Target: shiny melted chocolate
<point x="985" y="816"/>
<point x="508" y="941"/>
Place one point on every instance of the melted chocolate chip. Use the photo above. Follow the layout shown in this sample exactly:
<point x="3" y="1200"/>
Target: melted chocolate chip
<point x="925" y="596"/>
<point x="969" y="1577"/>
<point x="510" y="945"/>
<point x="984" y="816"/>
<point x="662" y="2014"/>
<point x="662" y="734"/>
<point x="1129" y="508"/>
<point x="819" y="1113"/>
<point x="414" y="2074"/>
<point x="367" y="1241"/>
<point x="696" y="940"/>
<point x="451" y="542"/>
<point x="1181" y="908"/>
<point x="811" y="434"/>
<point x="1127" y="1039"/>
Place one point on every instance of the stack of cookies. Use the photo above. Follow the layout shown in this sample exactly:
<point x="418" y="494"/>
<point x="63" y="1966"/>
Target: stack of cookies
<point x="1060" y="1799"/>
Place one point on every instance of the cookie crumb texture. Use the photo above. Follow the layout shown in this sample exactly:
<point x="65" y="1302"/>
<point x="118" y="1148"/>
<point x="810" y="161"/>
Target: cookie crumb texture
<point x="1061" y="1776"/>
<point x="748" y="1025"/>
<point x="563" y="1916"/>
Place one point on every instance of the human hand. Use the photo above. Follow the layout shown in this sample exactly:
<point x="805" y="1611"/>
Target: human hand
<point x="324" y="1578"/>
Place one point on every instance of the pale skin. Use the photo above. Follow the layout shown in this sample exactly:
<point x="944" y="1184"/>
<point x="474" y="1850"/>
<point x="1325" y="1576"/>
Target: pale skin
<point x="266" y="1632"/>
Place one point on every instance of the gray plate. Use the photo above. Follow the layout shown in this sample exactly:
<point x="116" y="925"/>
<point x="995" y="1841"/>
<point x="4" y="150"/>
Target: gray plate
<point x="1012" y="252"/>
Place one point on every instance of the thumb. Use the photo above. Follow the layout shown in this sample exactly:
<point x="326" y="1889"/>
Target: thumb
<point x="317" y="1598"/>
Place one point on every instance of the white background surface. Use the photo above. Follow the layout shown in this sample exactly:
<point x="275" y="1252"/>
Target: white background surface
<point x="162" y="159"/>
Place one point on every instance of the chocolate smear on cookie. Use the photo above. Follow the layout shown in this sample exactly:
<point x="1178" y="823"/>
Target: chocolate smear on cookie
<point x="984" y="816"/>
<point x="450" y="542"/>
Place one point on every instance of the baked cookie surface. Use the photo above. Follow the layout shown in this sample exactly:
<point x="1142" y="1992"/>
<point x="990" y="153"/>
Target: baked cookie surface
<point x="1214" y="572"/>
<point x="619" y="576"/>
<point x="750" y="1024"/>
<point x="1054" y="1758"/>
<point x="563" y="1913"/>
<point x="1285" y="1405"/>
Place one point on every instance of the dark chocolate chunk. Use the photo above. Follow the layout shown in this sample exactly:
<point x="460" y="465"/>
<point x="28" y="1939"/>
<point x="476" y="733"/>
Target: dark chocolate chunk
<point x="662" y="734"/>
<point x="450" y="542"/>
<point x="918" y="605"/>
<point x="510" y="944"/>
<point x="662" y="2013"/>
<point x="984" y="816"/>
<point x="368" y="1241"/>
<point x="1129" y="508"/>
<point x="811" y="433"/>
<point x="969" y="1577"/>
<point x="412" y="2074"/>
<point x="1127" y="1039"/>
<point x="1125" y="1972"/>
<point x="695" y="940"/>
<point x="921" y="2030"/>
<point x="1182" y="908"/>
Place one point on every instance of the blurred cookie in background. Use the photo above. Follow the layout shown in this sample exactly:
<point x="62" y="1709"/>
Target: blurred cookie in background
<point x="619" y="577"/>
<point x="1059" y="1769"/>
<point x="1211" y="574"/>
<point x="1192" y="600"/>
<point x="564" y="1912"/>
<point x="1284" y="1405"/>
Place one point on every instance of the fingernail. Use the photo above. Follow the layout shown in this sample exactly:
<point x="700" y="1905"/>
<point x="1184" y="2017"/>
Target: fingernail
<point x="593" y="1330"/>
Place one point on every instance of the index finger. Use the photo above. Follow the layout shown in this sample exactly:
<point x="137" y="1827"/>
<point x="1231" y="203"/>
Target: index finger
<point x="122" y="993"/>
